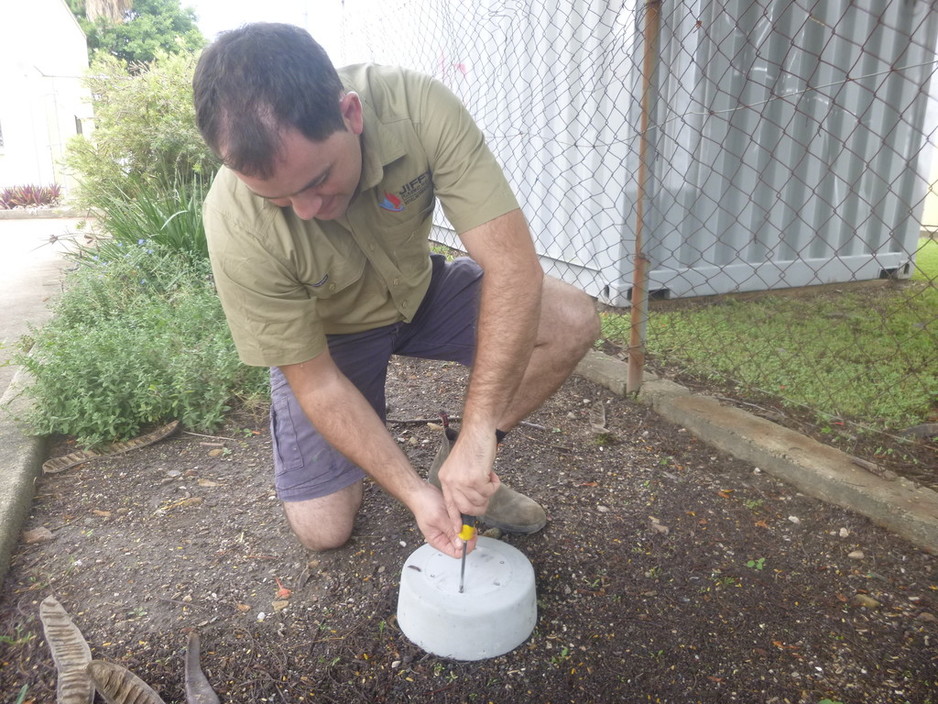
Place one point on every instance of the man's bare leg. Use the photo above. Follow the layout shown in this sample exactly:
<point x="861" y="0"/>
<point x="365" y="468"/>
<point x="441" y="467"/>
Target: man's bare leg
<point x="567" y="330"/>
<point x="325" y="523"/>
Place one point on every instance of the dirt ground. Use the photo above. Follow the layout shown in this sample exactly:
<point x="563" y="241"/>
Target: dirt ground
<point x="667" y="573"/>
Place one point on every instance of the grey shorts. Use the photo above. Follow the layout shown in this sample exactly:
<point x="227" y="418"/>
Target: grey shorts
<point x="305" y="465"/>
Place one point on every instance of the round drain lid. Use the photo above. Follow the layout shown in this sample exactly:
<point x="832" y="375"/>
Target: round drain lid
<point x="495" y="612"/>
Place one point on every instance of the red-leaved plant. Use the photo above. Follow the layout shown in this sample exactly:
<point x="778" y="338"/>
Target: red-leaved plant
<point x="29" y="196"/>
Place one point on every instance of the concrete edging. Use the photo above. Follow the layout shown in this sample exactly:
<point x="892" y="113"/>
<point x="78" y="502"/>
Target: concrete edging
<point x="43" y="213"/>
<point x="21" y="457"/>
<point x="903" y="507"/>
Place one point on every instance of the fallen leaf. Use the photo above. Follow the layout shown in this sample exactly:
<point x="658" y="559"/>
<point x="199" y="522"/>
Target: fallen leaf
<point x="761" y="524"/>
<point x="242" y="607"/>
<point x="103" y="514"/>
<point x="208" y="482"/>
<point x="37" y="535"/>
<point x="725" y="493"/>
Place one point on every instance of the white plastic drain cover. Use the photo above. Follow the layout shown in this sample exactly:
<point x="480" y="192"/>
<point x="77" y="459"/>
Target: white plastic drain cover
<point x="495" y="613"/>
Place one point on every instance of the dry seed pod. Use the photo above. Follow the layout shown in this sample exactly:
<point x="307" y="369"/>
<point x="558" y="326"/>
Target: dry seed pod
<point x="118" y="685"/>
<point x="198" y="690"/>
<point x="70" y="653"/>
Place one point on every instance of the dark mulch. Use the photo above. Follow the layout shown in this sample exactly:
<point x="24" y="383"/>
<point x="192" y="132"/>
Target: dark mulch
<point x="668" y="573"/>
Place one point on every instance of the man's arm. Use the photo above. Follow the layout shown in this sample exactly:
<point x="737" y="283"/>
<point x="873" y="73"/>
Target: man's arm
<point x="506" y="333"/>
<point x="345" y="418"/>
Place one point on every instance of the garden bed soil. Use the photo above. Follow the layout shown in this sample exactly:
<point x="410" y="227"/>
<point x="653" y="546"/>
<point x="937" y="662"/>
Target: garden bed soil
<point x="668" y="572"/>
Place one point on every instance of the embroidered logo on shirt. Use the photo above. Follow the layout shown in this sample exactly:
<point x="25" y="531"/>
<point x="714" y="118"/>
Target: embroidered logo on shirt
<point x="391" y="202"/>
<point x="408" y="194"/>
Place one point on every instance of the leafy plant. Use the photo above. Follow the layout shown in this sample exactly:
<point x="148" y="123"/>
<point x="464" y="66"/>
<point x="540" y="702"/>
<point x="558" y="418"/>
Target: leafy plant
<point x="163" y="213"/>
<point x="758" y="564"/>
<point x="144" y="131"/>
<point x="29" y="196"/>
<point x="138" y="338"/>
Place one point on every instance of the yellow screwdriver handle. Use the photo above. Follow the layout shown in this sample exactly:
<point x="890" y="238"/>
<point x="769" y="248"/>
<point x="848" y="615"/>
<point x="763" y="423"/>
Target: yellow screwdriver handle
<point x="468" y="531"/>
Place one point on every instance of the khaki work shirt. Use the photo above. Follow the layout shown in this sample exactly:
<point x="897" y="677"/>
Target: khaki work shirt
<point x="285" y="283"/>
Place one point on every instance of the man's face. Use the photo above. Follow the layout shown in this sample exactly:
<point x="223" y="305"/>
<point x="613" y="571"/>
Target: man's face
<point x="316" y="179"/>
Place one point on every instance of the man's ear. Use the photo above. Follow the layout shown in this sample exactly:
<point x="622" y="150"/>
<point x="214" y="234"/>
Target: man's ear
<point x="350" y="105"/>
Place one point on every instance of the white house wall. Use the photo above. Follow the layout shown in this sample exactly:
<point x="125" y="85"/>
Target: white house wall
<point x="43" y="56"/>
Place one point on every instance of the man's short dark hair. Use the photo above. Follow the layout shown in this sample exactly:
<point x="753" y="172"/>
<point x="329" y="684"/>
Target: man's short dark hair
<point x="254" y="81"/>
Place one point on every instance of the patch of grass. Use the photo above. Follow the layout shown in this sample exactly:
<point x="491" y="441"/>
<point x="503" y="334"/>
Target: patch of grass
<point x="858" y="355"/>
<point x="926" y="261"/>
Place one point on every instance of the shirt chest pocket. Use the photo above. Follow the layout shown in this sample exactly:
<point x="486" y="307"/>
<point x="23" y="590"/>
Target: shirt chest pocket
<point x="327" y="265"/>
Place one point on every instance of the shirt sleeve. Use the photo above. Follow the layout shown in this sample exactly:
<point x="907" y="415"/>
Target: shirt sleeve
<point x="467" y="179"/>
<point x="273" y="321"/>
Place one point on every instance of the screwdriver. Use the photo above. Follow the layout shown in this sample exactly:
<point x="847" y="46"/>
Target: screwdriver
<point x="466" y="534"/>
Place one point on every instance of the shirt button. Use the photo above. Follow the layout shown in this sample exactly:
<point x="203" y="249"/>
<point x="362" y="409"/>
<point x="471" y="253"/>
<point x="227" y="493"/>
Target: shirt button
<point x="396" y="282"/>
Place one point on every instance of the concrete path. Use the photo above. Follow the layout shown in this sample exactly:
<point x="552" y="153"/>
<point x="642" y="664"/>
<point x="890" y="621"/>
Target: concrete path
<point x="31" y="260"/>
<point x="32" y="257"/>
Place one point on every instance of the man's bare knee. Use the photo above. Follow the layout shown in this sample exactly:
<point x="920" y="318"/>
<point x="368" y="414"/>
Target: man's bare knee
<point x="572" y="311"/>
<point x="325" y="523"/>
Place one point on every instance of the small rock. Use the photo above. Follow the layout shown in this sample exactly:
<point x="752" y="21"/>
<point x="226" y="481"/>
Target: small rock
<point x="602" y="509"/>
<point x="173" y="473"/>
<point x="927" y="617"/>
<point x="844" y="533"/>
<point x="396" y="664"/>
<point x="279" y="605"/>
<point x="37" y="535"/>
<point x="261" y="616"/>
<point x="403" y="543"/>
<point x="865" y="601"/>
<point x="794" y="519"/>
<point x="217" y="452"/>
<point x="856" y="555"/>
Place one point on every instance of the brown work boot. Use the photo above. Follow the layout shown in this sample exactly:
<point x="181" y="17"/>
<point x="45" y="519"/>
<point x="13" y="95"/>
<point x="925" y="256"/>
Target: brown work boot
<point x="508" y="510"/>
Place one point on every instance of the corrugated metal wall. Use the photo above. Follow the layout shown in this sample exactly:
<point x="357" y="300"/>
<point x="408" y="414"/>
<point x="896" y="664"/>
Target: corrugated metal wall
<point x="786" y="135"/>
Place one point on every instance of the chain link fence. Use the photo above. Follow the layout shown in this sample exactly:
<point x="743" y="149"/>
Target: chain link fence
<point x="743" y="186"/>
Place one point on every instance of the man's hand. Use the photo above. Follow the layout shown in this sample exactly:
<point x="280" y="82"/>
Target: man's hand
<point x="436" y="523"/>
<point x="466" y="475"/>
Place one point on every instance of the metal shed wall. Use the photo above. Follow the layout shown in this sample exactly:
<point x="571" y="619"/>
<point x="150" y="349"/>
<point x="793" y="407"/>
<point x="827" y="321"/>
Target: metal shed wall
<point x="786" y="135"/>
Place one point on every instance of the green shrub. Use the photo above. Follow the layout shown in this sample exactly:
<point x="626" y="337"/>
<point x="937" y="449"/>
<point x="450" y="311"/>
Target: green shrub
<point x="144" y="129"/>
<point x="138" y="338"/>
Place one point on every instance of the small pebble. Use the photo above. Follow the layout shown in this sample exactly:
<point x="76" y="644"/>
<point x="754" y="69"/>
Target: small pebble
<point x="794" y="519"/>
<point x="865" y="601"/>
<point x="844" y="533"/>
<point x="261" y="616"/>
<point x="856" y="555"/>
